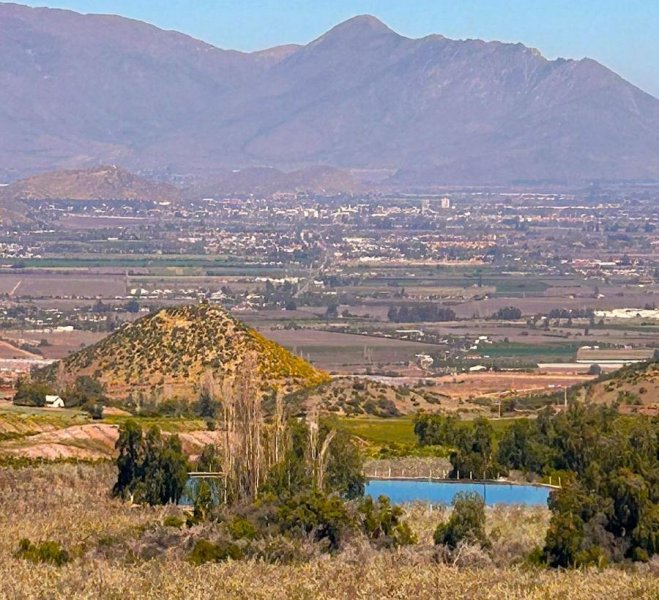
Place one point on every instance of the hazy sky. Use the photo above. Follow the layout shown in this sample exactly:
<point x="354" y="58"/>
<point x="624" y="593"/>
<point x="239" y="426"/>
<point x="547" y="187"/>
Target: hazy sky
<point x="622" y="34"/>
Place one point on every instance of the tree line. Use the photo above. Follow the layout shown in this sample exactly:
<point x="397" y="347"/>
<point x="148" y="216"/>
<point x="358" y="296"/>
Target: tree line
<point x="416" y="313"/>
<point x="608" y="507"/>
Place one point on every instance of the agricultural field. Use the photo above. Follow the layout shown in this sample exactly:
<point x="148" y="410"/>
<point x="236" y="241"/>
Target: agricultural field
<point x="344" y="353"/>
<point x="67" y="434"/>
<point x="42" y="284"/>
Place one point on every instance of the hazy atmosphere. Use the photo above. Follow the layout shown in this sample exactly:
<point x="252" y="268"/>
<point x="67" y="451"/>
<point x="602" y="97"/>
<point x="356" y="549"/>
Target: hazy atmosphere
<point x="329" y="300"/>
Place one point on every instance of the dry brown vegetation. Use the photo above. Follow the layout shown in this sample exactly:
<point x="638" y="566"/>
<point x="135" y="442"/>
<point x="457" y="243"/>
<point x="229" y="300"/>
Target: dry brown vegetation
<point x="635" y="388"/>
<point x="353" y="396"/>
<point x="109" y="543"/>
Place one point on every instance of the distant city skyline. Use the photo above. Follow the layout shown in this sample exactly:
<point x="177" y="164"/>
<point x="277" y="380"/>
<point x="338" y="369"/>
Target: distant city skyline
<point x="620" y="35"/>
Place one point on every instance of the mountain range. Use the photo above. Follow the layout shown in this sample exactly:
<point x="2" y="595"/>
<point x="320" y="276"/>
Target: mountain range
<point x="81" y="90"/>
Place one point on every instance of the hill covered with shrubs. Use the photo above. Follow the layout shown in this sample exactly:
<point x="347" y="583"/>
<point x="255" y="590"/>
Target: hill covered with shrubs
<point x="177" y="351"/>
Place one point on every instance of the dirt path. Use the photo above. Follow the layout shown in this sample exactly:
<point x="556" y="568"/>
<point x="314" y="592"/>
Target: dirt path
<point x="8" y="350"/>
<point x="13" y="291"/>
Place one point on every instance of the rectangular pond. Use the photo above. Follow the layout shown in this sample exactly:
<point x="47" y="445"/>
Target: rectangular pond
<point x="442" y="492"/>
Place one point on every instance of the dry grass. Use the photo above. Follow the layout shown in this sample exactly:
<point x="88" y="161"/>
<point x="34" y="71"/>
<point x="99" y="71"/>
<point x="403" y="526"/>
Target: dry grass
<point x="70" y="504"/>
<point x="382" y="577"/>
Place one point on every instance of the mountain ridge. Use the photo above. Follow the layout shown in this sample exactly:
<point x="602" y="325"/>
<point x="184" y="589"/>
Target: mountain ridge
<point x="80" y="90"/>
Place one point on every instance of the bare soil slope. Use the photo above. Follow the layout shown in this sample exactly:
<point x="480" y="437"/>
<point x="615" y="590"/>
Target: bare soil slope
<point x="634" y="389"/>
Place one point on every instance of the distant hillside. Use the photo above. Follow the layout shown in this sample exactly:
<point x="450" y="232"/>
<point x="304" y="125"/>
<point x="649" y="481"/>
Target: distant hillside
<point x="12" y="212"/>
<point x="267" y="180"/>
<point x="170" y="353"/>
<point x="634" y="388"/>
<point x="355" y="396"/>
<point x="100" y="183"/>
<point x="78" y="90"/>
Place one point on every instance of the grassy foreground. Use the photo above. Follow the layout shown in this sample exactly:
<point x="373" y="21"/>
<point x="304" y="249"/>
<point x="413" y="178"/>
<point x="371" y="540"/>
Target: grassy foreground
<point x="112" y="559"/>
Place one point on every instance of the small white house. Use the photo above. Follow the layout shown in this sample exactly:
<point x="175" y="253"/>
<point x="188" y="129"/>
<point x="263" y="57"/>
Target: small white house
<point x="54" y="402"/>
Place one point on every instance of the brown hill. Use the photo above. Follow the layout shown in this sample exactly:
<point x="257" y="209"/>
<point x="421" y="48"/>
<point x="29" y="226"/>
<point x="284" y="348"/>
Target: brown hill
<point x="173" y="352"/>
<point x="268" y="180"/>
<point x="355" y="396"/>
<point x="82" y="89"/>
<point x="12" y="212"/>
<point x="634" y="389"/>
<point x="99" y="183"/>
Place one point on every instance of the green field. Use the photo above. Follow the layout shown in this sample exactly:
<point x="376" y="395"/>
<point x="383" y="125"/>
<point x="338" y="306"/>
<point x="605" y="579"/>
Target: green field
<point x="168" y="424"/>
<point x="379" y="431"/>
<point x="563" y="352"/>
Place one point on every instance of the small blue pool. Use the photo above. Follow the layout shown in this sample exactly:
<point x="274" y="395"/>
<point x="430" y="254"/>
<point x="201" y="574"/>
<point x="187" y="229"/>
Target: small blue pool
<point x="442" y="492"/>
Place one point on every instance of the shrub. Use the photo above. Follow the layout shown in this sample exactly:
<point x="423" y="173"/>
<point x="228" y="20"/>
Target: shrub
<point x="466" y="523"/>
<point x="205" y="551"/>
<point x="240" y="528"/>
<point x="173" y="521"/>
<point x="46" y="552"/>
<point x="382" y="522"/>
<point x="323" y="517"/>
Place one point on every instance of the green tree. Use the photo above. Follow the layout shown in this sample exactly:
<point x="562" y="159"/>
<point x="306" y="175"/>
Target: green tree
<point x="474" y="453"/>
<point x="524" y="448"/>
<point x="89" y="394"/>
<point x="345" y="467"/>
<point x="292" y="474"/>
<point x="149" y="469"/>
<point x="174" y="465"/>
<point x="31" y="393"/>
<point x="153" y="477"/>
<point x="507" y="313"/>
<point x="203" y="501"/>
<point x="129" y="459"/>
<point x="207" y="406"/>
<point x="209" y="460"/>
<point x="466" y="523"/>
<point x="436" y="430"/>
<point x="332" y="311"/>
<point x="84" y="389"/>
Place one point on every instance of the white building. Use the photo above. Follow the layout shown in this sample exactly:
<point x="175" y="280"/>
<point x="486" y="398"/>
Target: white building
<point x="54" y="402"/>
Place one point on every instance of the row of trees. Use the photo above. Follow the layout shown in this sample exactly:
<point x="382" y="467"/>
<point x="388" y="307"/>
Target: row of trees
<point x="270" y="476"/>
<point x="608" y="508"/>
<point x="422" y="312"/>
<point x="507" y="313"/>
